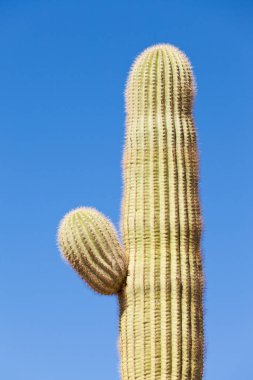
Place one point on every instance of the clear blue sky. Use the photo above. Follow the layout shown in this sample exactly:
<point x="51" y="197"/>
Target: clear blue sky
<point x="63" y="70"/>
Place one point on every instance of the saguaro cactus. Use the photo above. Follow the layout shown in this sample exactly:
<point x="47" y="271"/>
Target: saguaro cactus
<point x="157" y="274"/>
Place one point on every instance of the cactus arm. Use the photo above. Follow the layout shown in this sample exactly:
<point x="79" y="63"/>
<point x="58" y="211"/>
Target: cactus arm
<point x="88" y="241"/>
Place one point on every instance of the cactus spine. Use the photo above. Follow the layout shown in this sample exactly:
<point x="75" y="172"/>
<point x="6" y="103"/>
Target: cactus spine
<point x="161" y="313"/>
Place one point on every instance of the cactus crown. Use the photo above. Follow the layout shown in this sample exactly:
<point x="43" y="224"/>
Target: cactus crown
<point x="156" y="61"/>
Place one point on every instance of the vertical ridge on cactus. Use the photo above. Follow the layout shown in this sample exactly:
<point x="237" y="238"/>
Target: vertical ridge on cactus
<point x="157" y="274"/>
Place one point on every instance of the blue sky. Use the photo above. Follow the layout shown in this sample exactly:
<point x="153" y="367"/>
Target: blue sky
<point x="63" y="70"/>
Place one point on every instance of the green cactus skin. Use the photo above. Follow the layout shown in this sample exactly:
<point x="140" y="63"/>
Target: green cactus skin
<point x="161" y="299"/>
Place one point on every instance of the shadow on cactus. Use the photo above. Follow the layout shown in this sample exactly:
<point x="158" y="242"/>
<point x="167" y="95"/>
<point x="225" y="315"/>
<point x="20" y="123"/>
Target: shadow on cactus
<point x="157" y="274"/>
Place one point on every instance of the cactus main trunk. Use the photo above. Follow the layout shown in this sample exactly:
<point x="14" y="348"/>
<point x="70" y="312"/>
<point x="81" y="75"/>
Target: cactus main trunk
<point x="161" y="321"/>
